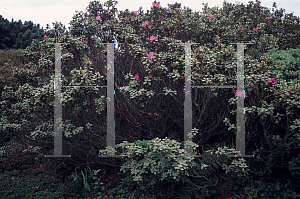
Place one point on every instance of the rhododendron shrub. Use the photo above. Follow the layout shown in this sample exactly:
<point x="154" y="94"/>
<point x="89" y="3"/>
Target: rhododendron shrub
<point x="149" y="80"/>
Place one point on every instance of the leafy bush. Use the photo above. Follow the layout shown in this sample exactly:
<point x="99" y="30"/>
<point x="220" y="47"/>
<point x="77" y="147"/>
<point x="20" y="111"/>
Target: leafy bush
<point x="28" y="111"/>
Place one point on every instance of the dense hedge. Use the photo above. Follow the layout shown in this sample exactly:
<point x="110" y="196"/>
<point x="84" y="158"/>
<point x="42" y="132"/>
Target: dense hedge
<point x="149" y="81"/>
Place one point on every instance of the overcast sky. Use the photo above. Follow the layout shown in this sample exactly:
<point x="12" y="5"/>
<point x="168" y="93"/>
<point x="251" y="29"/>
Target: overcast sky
<point x="47" y="11"/>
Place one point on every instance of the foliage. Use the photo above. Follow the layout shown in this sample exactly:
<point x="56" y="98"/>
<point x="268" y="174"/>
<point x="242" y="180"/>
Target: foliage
<point x="159" y="161"/>
<point x="157" y="94"/>
<point x="95" y="185"/>
<point x="35" y="184"/>
<point x="16" y="35"/>
<point x="287" y="62"/>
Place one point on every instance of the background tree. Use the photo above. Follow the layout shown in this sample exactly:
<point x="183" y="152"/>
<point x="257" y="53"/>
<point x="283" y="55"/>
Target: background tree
<point x="16" y="35"/>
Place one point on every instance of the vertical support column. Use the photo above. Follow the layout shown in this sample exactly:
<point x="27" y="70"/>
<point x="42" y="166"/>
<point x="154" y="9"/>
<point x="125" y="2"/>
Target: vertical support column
<point x="110" y="100"/>
<point x="240" y="138"/>
<point x="57" y="106"/>
<point x="188" y="99"/>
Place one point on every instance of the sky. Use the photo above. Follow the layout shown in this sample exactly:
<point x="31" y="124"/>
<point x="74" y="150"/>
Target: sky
<point x="47" y="11"/>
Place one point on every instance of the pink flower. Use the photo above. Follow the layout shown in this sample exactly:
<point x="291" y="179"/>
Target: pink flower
<point x="85" y="13"/>
<point x="135" y="12"/>
<point x="145" y="23"/>
<point x="212" y="16"/>
<point x="167" y="12"/>
<point x="98" y="18"/>
<point x="152" y="38"/>
<point x="220" y="13"/>
<point x="150" y="55"/>
<point x="45" y="36"/>
<point x="240" y="93"/>
<point x="179" y="9"/>
<point x="159" y="18"/>
<point x="151" y="90"/>
<point x="271" y="80"/>
<point x="153" y="4"/>
<point x="254" y="28"/>
<point x="84" y="41"/>
<point x="95" y="23"/>
<point x="36" y="70"/>
<point x="157" y="5"/>
<point x="269" y="18"/>
<point x="151" y="26"/>
<point x="136" y="76"/>
<point x="109" y="13"/>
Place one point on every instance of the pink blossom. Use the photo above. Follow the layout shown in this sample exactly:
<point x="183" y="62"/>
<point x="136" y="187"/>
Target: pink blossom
<point x="84" y="41"/>
<point x="254" y="28"/>
<point x="220" y="13"/>
<point x="85" y="13"/>
<point x="109" y="13"/>
<point x="98" y="18"/>
<point x="159" y="18"/>
<point x="151" y="90"/>
<point x="135" y="12"/>
<point x="145" y="23"/>
<point x="45" y="36"/>
<point x="153" y="4"/>
<point x="240" y="93"/>
<point x="212" y="16"/>
<point x="36" y="70"/>
<point x="95" y="23"/>
<point x="152" y="38"/>
<point x="179" y="9"/>
<point x="157" y="5"/>
<point x="269" y="18"/>
<point x="151" y="26"/>
<point x="150" y="55"/>
<point x="271" y="80"/>
<point x="136" y="76"/>
<point x="167" y="12"/>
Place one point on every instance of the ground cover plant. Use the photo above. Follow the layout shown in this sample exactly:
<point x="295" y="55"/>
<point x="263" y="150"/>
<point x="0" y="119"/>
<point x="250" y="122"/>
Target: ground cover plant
<point x="149" y="97"/>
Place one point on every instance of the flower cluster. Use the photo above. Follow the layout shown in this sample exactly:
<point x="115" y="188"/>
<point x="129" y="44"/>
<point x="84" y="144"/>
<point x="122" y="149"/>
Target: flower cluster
<point x="254" y="28"/>
<point x="135" y="12"/>
<point x="136" y="76"/>
<point x="145" y="23"/>
<point x="179" y="9"/>
<point x="156" y="4"/>
<point x="272" y="80"/>
<point x="212" y="16"/>
<point x="152" y="38"/>
<point x="150" y="55"/>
